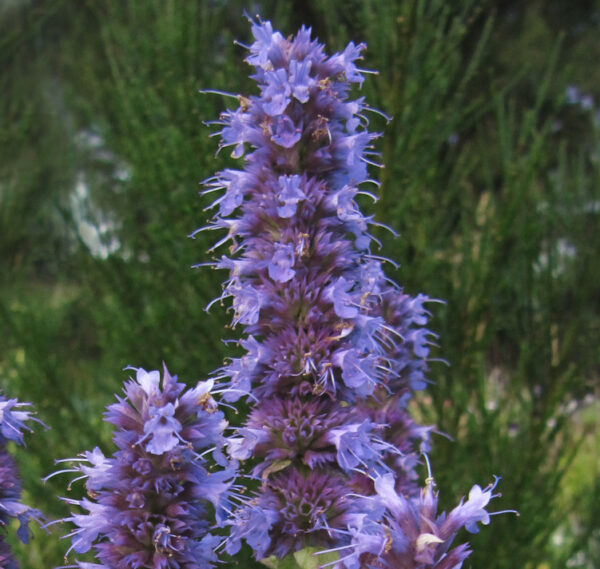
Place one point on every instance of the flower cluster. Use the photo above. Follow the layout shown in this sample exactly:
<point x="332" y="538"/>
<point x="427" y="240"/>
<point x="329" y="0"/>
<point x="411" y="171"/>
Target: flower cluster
<point x="333" y="348"/>
<point x="146" y="504"/>
<point x="406" y="532"/>
<point x="13" y="421"/>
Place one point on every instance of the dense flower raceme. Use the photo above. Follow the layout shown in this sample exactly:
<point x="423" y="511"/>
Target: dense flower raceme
<point x="333" y="348"/>
<point x="146" y="504"/>
<point x="13" y="419"/>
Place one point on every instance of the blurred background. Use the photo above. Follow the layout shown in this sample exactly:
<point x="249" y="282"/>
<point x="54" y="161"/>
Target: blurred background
<point x="492" y="178"/>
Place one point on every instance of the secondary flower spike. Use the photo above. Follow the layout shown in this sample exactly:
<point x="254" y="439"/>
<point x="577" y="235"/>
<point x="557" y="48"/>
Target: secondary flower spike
<point x="146" y="504"/>
<point x="333" y="348"/>
<point x="409" y="533"/>
<point x="13" y="421"/>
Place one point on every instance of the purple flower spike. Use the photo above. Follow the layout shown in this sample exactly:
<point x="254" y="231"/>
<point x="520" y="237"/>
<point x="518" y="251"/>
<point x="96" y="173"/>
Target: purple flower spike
<point x="147" y="502"/>
<point x="302" y="243"/>
<point x="12" y="425"/>
<point x="329" y="337"/>
<point x="334" y="349"/>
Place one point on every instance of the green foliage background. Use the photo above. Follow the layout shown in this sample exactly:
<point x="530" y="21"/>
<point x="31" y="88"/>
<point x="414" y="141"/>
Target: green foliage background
<point x="492" y="177"/>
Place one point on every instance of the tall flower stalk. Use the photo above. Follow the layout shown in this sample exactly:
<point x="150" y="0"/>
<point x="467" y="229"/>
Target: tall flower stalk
<point x="13" y="421"/>
<point x="334" y="349"/>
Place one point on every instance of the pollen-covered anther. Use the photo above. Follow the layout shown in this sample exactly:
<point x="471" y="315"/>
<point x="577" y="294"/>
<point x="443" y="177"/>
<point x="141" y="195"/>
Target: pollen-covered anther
<point x="321" y="128"/>
<point x="266" y="125"/>
<point x="389" y="540"/>
<point x="303" y="248"/>
<point x="206" y="402"/>
<point x="324" y="83"/>
<point x="343" y="328"/>
<point x="244" y="103"/>
<point x="308" y="364"/>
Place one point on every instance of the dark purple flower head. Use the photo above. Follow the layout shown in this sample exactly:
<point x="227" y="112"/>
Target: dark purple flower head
<point x="12" y="425"/>
<point x="147" y="502"/>
<point x="282" y="430"/>
<point x="292" y="512"/>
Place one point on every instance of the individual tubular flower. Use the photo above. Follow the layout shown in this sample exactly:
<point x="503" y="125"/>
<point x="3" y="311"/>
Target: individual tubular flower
<point x="146" y="504"/>
<point x="13" y="419"/>
<point x="328" y="337"/>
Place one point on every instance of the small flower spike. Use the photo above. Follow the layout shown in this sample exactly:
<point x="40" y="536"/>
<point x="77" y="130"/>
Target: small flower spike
<point x="147" y="503"/>
<point x="13" y="419"/>
<point x="409" y="533"/>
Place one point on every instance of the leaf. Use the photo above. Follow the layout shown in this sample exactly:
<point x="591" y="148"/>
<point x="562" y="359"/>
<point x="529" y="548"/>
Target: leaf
<point x="306" y="558"/>
<point x="276" y="467"/>
<point x="303" y="559"/>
